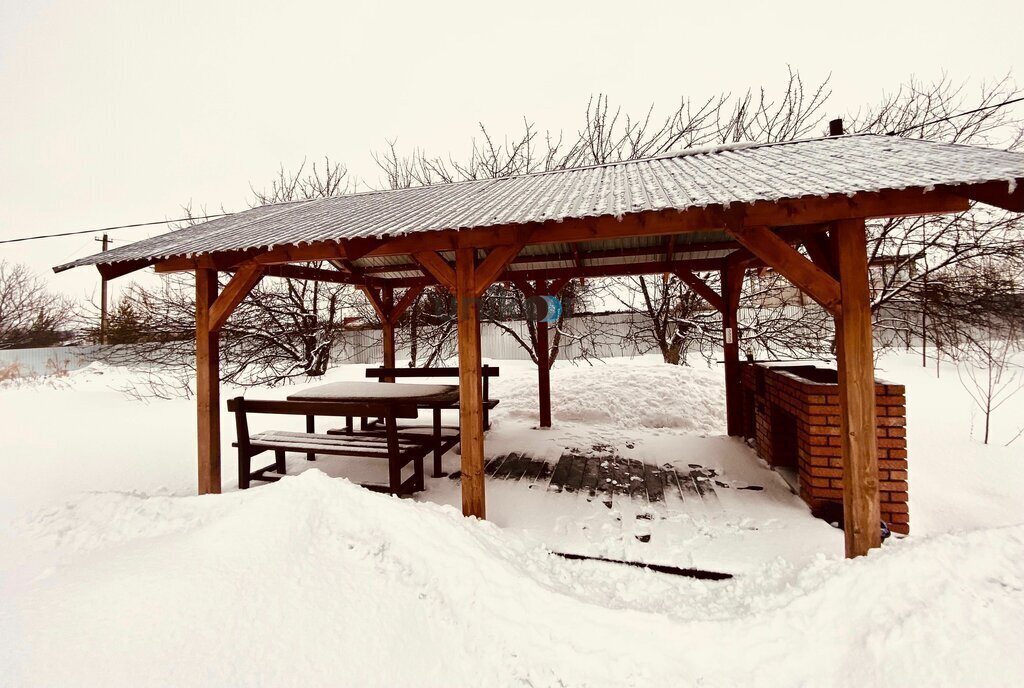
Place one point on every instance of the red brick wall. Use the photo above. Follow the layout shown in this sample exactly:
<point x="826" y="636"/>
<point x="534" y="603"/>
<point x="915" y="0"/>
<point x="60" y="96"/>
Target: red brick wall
<point x="794" y="421"/>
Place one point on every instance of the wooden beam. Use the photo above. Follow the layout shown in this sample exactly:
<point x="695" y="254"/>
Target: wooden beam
<point x="784" y="213"/>
<point x="543" y="375"/>
<point x="374" y="297"/>
<point x="438" y="267"/>
<point x="556" y="285"/>
<point x="732" y="286"/>
<point x="525" y="287"/>
<point x="207" y="384"/>
<point x="471" y="425"/>
<point x="701" y="288"/>
<point x="357" y="248"/>
<point x="611" y="270"/>
<point x="387" y="326"/>
<point x="237" y="288"/>
<point x="574" y="249"/>
<point x="115" y="270"/>
<point x="999" y="194"/>
<point x="408" y="298"/>
<point x="495" y="263"/>
<point x="819" y="248"/>
<point x="777" y="254"/>
<point x="855" y="359"/>
<point x="303" y="272"/>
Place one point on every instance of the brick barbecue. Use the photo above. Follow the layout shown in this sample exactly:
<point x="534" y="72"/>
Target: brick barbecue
<point x="791" y="414"/>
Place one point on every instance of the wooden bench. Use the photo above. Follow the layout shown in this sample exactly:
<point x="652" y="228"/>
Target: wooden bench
<point x="399" y="448"/>
<point x="486" y="372"/>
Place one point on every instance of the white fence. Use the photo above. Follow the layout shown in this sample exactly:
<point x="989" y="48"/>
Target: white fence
<point x="364" y="346"/>
<point x="48" y="360"/>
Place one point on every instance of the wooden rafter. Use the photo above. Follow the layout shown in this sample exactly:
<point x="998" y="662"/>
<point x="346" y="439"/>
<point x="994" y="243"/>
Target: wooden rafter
<point x="777" y="254"/>
<point x="701" y="288"/>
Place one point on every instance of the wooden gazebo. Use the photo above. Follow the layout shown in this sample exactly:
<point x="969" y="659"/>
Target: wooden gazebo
<point x="724" y="210"/>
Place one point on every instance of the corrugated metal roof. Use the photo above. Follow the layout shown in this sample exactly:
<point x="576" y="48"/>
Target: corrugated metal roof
<point x="697" y="178"/>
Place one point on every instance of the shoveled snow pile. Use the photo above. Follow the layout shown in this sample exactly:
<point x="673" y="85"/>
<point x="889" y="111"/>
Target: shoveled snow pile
<point x="313" y="581"/>
<point x="641" y="392"/>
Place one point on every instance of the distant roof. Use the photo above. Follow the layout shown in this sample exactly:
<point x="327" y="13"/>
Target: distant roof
<point x="686" y="179"/>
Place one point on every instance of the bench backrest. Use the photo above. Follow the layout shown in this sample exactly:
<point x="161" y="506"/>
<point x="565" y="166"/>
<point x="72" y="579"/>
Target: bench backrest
<point x="322" y="408"/>
<point x="390" y="374"/>
<point x="485" y="371"/>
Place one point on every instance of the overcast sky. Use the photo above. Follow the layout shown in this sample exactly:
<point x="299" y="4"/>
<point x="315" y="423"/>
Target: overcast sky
<point x="119" y="112"/>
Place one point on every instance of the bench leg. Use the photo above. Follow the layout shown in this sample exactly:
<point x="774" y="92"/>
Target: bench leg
<point x="394" y="475"/>
<point x="280" y="466"/>
<point x="243" y="470"/>
<point x="311" y="428"/>
<point x="487" y="418"/>
<point x="418" y="467"/>
<point x="438" y="472"/>
<point x="348" y="425"/>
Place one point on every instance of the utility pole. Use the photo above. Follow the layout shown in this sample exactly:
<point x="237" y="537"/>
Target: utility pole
<point x="103" y="296"/>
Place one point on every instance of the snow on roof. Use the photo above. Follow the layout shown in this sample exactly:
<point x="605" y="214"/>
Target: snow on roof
<point x="687" y="179"/>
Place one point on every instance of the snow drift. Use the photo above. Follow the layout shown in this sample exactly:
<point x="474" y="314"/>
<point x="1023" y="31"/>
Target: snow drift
<point x="313" y="581"/>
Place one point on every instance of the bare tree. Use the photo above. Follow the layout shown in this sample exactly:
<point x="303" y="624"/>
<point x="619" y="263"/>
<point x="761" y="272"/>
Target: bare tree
<point x="30" y="314"/>
<point x="921" y="289"/>
<point x="989" y="375"/>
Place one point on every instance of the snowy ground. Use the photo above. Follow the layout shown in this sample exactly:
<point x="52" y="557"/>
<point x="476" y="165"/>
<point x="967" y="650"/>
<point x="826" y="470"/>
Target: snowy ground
<point x="112" y="574"/>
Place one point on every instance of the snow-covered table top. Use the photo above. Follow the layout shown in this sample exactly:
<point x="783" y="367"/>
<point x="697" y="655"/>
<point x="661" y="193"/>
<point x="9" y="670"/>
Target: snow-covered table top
<point x="378" y="391"/>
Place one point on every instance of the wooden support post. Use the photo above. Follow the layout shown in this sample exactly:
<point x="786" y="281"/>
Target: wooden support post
<point x="732" y="284"/>
<point x="387" y="326"/>
<point x="471" y="425"/>
<point x="861" y="512"/>
<point x="207" y="383"/>
<point x="543" y="367"/>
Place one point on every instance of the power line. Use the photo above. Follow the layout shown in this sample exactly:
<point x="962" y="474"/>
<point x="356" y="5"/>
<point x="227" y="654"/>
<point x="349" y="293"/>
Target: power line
<point x="107" y="229"/>
<point x="959" y="114"/>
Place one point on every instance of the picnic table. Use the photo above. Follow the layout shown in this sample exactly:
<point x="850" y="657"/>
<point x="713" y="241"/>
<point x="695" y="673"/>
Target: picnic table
<point x="426" y="396"/>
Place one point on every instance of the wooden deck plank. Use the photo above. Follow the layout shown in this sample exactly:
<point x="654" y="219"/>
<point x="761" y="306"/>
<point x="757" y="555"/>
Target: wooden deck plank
<point x="635" y="476"/>
<point x="508" y="465"/>
<point x="653" y="483"/>
<point x="494" y="464"/>
<point x="620" y="473"/>
<point x="575" y="477"/>
<point x="533" y="470"/>
<point x="560" y="473"/>
<point x="519" y="468"/>
<point x="591" y="475"/>
<point x="607" y="476"/>
<point x="544" y="475"/>
<point x="687" y="490"/>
